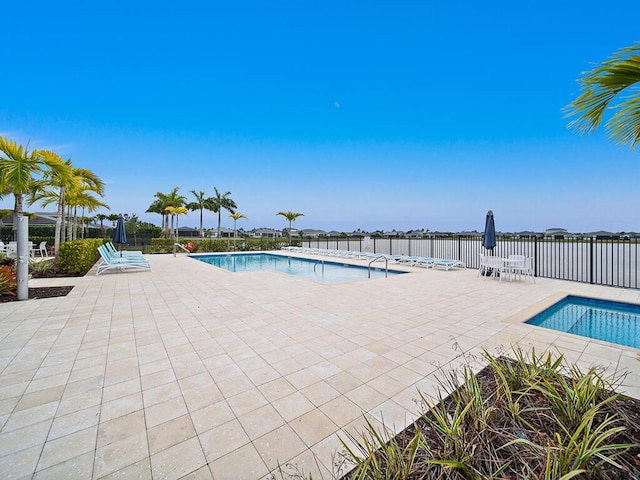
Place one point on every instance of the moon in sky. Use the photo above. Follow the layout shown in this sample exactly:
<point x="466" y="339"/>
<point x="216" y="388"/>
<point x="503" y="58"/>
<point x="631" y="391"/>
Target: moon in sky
<point x="336" y="104"/>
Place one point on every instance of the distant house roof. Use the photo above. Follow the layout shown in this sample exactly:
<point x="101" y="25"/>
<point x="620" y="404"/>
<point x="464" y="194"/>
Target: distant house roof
<point x="310" y="232"/>
<point x="601" y="233"/>
<point x="36" y="218"/>
<point x="265" y="232"/>
<point x="42" y="218"/>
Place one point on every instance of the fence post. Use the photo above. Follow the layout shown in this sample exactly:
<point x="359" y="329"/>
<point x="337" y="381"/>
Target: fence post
<point x="460" y="247"/>
<point x="535" y="256"/>
<point x="591" y="259"/>
<point x="390" y="246"/>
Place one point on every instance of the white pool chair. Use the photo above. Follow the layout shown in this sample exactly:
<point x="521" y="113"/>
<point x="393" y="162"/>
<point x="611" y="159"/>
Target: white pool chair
<point x="447" y="264"/>
<point x="109" y="262"/>
<point x="424" y="262"/>
<point x="111" y="248"/>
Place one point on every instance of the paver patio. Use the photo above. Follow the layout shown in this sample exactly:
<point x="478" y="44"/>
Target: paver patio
<point x="189" y="371"/>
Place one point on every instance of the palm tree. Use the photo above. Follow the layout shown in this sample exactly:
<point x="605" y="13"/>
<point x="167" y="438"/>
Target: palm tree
<point x="102" y="217"/>
<point x="236" y="216"/>
<point x="82" y="198"/>
<point x="170" y="211"/>
<point x="177" y="211"/>
<point x="20" y="171"/>
<point x="200" y="204"/>
<point x="164" y="200"/>
<point x="291" y="216"/>
<point x="78" y="194"/>
<point x="56" y="194"/>
<point x="113" y="218"/>
<point x="621" y="73"/>
<point x="72" y="192"/>
<point x="220" y="202"/>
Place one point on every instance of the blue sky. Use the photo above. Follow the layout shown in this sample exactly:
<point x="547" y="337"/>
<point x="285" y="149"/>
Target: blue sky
<point x="371" y="115"/>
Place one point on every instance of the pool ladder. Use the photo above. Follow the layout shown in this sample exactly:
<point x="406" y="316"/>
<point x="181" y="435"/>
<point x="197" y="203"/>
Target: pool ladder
<point x="386" y="265"/>
<point x="176" y="245"/>
<point x="316" y="264"/>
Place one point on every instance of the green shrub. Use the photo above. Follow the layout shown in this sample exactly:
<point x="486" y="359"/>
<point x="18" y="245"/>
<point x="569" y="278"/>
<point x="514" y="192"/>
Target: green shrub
<point x="78" y="256"/>
<point x="43" y="268"/>
<point x="161" y="245"/>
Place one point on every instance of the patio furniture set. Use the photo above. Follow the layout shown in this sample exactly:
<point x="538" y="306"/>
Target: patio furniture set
<point x="512" y="267"/>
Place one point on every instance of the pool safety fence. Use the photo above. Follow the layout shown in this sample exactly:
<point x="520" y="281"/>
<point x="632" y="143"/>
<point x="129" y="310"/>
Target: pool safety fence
<point x="611" y="261"/>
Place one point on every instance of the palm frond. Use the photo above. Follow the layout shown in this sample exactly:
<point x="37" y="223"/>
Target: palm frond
<point x="601" y="86"/>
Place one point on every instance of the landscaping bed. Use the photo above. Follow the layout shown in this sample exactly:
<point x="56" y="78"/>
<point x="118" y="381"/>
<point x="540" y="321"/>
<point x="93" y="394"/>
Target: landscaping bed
<point x="529" y="418"/>
<point x="40" y="292"/>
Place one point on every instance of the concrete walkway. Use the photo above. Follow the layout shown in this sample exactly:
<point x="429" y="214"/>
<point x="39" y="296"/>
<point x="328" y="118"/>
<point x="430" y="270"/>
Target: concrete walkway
<point x="189" y="371"/>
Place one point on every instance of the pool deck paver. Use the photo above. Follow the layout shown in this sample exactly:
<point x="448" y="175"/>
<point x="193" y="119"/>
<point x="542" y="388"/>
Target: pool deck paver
<point x="189" y="371"/>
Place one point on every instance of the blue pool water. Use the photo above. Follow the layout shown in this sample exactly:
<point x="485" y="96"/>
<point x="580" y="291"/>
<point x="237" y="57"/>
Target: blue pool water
<point x="332" y="272"/>
<point x="614" y="322"/>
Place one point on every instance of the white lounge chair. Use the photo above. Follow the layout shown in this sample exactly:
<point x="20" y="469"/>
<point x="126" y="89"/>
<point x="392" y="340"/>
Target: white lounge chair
<point x="447" y="264"/>
<point x="424" y="262"/>
<point x="124" y="253"/>
<point x="109" y="262"/>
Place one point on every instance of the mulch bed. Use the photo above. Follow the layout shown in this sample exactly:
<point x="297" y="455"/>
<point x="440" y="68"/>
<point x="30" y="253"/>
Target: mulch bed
<point x="40" y="292"/>
<point x="626" y="408"/>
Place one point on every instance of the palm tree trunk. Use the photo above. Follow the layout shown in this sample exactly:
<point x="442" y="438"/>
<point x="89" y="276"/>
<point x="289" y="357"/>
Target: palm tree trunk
<point x="82" y="224"/>
<point x="69" y="223"/>
<point x="201" y="229"/>
<point x="59" y="227"/>
<point x="74" y="222"/>
<point x="17" y="211"/>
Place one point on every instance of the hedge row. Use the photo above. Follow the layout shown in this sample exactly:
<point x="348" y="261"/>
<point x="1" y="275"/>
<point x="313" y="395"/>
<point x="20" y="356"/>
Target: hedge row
<point x="206" y="245"/>
<point x="78" y="256"/>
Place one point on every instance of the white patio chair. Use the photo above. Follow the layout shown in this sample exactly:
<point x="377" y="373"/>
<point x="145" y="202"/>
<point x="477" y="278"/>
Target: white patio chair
<point x="526" y="270"/>
<point x="515" y="264"/>
<point x="42" y="250"/>
<point x="483" y="270"/>
<point x="496" y="265"/>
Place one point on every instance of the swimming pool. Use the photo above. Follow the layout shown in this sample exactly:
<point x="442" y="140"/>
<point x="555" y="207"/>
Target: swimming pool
<point x="609" y="321"/>
<point x="318" y="270"/>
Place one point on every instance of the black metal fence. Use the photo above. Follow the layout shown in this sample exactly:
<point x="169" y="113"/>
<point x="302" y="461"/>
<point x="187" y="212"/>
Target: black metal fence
<point x="603" y="261"/>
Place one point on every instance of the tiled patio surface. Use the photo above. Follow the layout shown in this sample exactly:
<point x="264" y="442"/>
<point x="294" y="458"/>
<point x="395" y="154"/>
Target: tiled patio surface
<point x="189" y="371"/>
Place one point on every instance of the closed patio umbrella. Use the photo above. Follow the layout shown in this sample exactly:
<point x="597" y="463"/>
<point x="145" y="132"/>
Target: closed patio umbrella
<point x="119" y="233"/>
<point x="489" y="236"/>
